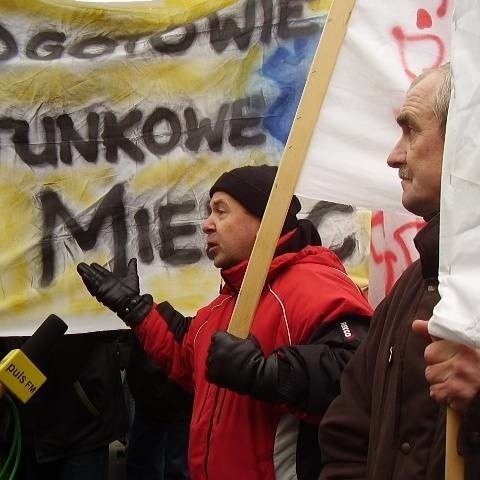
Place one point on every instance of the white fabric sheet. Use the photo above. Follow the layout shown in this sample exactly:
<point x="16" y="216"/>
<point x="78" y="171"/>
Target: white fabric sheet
<point x="457" y="315"/>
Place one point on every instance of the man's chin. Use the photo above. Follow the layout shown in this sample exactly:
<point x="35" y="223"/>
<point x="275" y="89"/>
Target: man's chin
<point x="216" y="259"/>
<point x="222" y="263"/>
<point x="414" y="206"/>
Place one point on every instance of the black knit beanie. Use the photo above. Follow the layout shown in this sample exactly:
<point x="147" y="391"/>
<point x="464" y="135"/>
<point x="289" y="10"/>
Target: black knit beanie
<point x="251" y="186"/>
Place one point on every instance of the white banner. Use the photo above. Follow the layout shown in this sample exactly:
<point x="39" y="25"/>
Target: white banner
<point x="114" y="122"/>
<point x="387" y="45"/>
<point x="457" y="315"/>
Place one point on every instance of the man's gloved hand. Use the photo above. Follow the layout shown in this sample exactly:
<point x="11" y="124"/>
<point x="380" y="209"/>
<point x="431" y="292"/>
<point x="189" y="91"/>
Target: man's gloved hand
<point x="240" y="365"/>
<point x="107" y="288"/>
<point x="121" y="295"/>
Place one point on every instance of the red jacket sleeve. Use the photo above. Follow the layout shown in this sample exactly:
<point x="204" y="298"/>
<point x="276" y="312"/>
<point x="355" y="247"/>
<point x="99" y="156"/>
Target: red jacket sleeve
<point x="168" y="344"/>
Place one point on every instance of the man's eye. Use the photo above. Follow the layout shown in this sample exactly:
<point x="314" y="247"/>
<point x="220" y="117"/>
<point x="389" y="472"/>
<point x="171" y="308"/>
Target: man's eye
<point x="408" y="130"/>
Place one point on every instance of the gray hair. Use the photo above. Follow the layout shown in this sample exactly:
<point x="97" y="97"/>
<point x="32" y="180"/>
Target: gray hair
<point x="441" y="98"/>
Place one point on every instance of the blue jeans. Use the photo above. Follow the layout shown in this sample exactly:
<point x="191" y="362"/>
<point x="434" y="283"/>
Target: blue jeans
<point x="157" y="449"/>
<point x="91" y="465"/>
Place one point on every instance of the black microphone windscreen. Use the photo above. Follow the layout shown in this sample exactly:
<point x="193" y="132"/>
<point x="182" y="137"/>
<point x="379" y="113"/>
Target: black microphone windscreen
<point x="40" y="344"/>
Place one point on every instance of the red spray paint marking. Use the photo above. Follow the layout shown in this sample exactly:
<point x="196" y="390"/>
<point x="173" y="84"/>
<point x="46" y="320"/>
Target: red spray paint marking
<point x="402" y="40"/>
<point x="424" y="19"/>
<point x="397" y="235"/>
<point x="388" y="257"/>
<point x="442" y="9"/>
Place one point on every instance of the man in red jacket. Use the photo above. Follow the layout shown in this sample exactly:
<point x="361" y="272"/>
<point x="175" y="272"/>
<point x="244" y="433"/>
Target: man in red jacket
<point x="251" y="396"/>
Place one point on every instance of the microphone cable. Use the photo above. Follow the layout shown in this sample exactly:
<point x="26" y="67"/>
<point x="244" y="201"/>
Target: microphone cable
<point x="16" y="445"/>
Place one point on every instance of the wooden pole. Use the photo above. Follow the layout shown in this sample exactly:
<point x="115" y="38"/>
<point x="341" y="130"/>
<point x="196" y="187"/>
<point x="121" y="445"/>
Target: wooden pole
<point x="454" y="464"/>
<point x="291" y="164"/>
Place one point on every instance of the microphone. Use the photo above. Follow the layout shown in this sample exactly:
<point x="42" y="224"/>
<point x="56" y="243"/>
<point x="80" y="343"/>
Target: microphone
<point x="18" y="370"/>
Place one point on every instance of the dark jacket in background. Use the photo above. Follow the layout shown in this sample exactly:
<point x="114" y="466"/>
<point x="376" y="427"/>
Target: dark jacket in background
<point x="154" y="394"/>
<point x="158" y="437"/>
<point x="384" y="424"/>
<point x="81" y="405"/>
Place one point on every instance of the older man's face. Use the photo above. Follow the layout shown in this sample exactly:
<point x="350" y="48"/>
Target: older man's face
<point x="418" y="153"/>
<point x="231" y="231"/>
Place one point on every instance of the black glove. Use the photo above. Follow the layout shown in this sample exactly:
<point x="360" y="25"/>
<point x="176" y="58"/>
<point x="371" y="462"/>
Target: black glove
<point x="121" y="295"/>
<point x="240" y="365"/>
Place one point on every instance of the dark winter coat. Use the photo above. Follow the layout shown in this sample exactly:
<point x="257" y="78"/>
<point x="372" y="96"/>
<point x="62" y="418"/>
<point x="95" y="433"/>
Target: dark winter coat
<point x="384" y="425"/>
<point x="154" y="393"/>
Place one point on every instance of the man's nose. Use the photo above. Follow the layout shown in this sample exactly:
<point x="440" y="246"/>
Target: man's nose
<point x="208" y="225"/>
<point x="398" y="155"/>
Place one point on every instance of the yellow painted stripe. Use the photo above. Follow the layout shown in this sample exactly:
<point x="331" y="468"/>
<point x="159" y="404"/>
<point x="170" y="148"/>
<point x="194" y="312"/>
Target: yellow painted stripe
<point x="118" y="81"/>
<point x="320" y="5"/>
<point x="127" y="18"/>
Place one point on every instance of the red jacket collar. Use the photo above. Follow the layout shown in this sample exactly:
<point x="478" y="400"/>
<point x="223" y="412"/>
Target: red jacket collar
<point x="233" y="276"/>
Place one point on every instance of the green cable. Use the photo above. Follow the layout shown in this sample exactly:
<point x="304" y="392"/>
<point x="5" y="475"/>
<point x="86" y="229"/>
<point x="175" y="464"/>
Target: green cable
<point x="13" y="445"/>
<point x="18" y="436"/>
<point x="16" y="446"/>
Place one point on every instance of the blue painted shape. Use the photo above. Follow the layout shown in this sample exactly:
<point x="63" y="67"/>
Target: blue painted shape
<point x="288" y="68"/>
